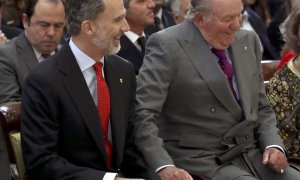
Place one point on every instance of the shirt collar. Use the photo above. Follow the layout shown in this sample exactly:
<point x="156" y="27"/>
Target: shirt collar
<point x="159" y="14"/>
<point x="38" y="55"/>
<point x="83" y="60"/>
<point x="132" y="36"/>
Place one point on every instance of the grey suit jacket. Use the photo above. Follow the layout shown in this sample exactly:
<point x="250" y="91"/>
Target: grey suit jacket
<point x="17" y="58"/>
<point x="186" y="113"/>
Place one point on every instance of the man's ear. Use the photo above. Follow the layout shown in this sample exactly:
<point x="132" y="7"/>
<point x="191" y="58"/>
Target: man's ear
<point x="25" y="20"/>
<point x="198" y="18"/>
<point x="88" y="27"/>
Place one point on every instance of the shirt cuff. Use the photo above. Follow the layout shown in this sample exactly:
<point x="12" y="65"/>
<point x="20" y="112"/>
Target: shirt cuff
<point x="109" y="176"/>
<point x="276" y="146"/>
<point x="160" y="168"/>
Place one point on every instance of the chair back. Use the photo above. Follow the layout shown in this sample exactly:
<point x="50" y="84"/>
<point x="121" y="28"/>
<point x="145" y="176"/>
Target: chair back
<point x="268" y="68"/>
<point x="10" y="118"/>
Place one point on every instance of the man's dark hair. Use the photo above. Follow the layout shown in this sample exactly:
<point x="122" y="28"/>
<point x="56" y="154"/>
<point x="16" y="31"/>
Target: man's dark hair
<point x="78" y="11"/>
<point x="29" y="10"/>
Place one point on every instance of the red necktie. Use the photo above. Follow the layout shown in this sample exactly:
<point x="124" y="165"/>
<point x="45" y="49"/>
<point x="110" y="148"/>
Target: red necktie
<point x="103" y="109"/>
<point x="226" y="67"/>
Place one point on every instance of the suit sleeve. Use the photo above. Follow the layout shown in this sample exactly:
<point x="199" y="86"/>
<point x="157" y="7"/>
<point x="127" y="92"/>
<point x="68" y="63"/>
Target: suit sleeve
<point x="9" y="86"/>
<point x="40" y="129"/>
<point x="266" y="130"/>
<point x="152" y="88"/>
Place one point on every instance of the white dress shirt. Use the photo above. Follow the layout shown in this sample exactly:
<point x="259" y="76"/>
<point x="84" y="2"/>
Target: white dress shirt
<point x="86" y="66"/>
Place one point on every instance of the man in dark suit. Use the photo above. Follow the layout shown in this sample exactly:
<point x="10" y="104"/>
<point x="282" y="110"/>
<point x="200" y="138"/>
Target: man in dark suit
<point x="4" y="161"/>
<point x="77" y="104"/>
<point x="163" y="18"/>
<point x="201" y="108"/>
<point x="257" y="24"/>
<point x="138" y="15"/>
<point x="43" y="21"/>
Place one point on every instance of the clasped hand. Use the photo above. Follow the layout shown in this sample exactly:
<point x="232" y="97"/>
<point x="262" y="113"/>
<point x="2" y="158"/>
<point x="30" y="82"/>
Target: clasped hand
<point x="174" y="173"/>
<point x="275" y="159"/>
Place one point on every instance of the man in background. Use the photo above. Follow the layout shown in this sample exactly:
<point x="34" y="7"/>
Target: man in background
<point x="163" y="18"/>
<point x="43" y="21"/>
<point x="179" y="9"/>
<point x="139" y="15"/>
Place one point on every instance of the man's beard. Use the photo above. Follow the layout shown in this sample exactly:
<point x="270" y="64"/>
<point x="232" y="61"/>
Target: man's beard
<point x="104" y="43"/>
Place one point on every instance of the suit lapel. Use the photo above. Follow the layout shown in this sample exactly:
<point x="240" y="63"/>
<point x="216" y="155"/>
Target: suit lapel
<point x="25" y="49"/>
<point x="240" y="58"/>
<point x="76" y="86"/>
<point x="130" y="52"/>
<point x="208" y="68"/>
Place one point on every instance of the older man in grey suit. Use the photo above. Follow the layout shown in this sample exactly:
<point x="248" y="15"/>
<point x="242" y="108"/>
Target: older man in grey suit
<point x="43" y="21"/>
<point x="201" y="106"/>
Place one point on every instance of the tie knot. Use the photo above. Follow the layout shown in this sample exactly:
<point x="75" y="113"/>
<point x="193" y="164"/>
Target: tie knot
<point x="142" y="41"/>
<point x="45" y="56"/>
<point x="98" y="67"/>
<point x="219" y="53"/>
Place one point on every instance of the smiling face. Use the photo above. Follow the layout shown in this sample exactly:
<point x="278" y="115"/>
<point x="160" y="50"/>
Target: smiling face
<point x="219" y="25"/>
<point x="45" y="27"/>
<point x="110" y="25"/>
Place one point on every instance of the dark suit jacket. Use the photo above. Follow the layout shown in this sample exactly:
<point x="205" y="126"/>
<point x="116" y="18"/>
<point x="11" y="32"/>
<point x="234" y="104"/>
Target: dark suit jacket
<point x="17" y="58"/>
<point x="273" y="30"/>
<point x="256" y="22"/>
<point x="4" y="161"/>
<point x="167" y="21"/>
<point x="130" y="52"/>
<point x="61" y="133"/>
<point x="10" y="31"/>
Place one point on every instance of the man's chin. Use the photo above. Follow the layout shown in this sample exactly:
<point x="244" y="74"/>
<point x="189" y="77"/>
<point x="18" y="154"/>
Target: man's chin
<point x="114" y="50"/>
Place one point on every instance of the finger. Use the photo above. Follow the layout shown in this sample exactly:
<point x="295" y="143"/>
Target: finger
<point x="266" y="157"/>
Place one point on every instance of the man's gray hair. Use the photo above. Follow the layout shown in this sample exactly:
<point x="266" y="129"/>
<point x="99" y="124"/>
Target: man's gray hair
<point x="202" y="6"/>
<point x="78" y="11"/>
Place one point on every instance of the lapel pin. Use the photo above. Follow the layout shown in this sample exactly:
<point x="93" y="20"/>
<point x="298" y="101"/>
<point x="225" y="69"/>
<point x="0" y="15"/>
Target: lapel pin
<point x="246" y="48"/>
<point x="121" y="81"/>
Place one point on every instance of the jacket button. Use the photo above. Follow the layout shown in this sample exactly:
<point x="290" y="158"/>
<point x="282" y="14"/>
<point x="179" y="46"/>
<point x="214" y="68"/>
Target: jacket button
<point x="247" y="136"/>
<point x="212" y="110"/>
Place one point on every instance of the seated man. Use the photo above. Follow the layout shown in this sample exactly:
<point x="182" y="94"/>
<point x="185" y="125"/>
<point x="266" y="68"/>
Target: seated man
<point x="43" y="21"/>
<point x="77" y="104"/>
<point x="201" y="108"/>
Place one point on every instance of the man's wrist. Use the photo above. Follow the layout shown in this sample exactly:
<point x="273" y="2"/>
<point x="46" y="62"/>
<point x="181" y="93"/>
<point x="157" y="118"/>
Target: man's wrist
<point x="160" y="168"/>
<point x="276" y="146"/>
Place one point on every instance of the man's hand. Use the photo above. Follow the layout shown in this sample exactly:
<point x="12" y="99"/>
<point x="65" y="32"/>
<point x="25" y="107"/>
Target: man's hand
<point x="275" y="159"/>
<point x="173" y="173"/>
<point x="3" y="38"/>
